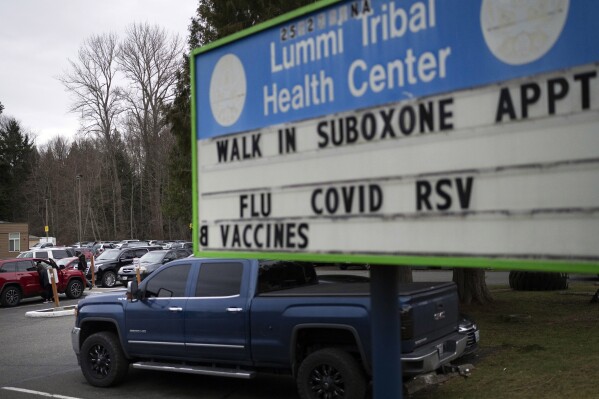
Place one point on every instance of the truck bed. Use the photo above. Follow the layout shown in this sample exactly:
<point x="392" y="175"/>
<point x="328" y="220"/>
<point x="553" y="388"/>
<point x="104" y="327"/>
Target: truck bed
<point x="352" y="289"/>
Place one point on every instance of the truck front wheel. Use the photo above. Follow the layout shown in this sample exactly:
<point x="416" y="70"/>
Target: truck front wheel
<point x="103" y="362"/>
<point x="332" y="374"/>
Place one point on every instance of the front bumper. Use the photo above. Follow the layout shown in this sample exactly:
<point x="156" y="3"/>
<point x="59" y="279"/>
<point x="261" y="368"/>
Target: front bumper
<point x="126" y="277"/>
<point x="75" y="341"/>
<point x="433" y="355"/>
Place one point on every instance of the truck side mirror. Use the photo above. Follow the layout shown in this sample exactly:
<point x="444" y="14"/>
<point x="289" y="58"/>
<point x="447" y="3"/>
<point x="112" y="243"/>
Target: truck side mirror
<point x="132" y="291"/>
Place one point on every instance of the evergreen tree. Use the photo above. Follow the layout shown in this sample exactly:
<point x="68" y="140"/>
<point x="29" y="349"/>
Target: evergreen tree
<point x="215" y="19"/>
<point x="16" y="157"/>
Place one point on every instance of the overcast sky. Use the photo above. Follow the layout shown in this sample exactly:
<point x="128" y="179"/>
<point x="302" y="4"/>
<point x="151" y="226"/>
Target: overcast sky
<point x="37" y="37"/>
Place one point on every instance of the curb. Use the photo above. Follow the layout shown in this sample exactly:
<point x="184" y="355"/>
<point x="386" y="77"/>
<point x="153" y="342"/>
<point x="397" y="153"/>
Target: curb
<point x="53" y="312"/>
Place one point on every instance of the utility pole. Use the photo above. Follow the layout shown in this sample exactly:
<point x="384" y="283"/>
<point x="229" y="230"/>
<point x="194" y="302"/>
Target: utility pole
<point x="79" y="204"/>
<point x="46" y="227"/>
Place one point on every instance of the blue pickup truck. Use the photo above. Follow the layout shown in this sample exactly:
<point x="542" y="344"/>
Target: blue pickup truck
<point x="239" y="317"/>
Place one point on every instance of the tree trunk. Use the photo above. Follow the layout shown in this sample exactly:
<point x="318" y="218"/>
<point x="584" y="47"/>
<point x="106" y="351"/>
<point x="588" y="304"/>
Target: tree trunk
<point x="118" y="216"/>
<point x="472" y="287"/>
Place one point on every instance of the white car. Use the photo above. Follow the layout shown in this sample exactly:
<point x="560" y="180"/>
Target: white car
<point x="41" y="245"/>
<point x="53" y="253"/>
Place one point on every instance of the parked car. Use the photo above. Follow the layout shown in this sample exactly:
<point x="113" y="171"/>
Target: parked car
<point x="100" y="247"/>
<point x="53" y="253"/>
<point x="85" y="251"/>
<point x="182" y="244"/>
<point x="135" y="244"/>
<point x="345" y="266"/>
<point x="108" y="264"/>
<point x="41" y="245"/>
<point x="121" y="243"/>
<point x="150" y="262"/>
<point x="20" y="279"/>
<point x="84" y="244"/>
<point x="68" y="263"/>
<point x="71" y="262"/>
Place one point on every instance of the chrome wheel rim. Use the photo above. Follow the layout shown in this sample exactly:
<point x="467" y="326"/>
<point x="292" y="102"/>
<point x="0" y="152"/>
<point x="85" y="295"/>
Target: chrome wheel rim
<point x="327" y="382"/>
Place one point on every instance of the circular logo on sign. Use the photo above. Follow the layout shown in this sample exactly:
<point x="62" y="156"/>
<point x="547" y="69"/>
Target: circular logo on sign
<point x="228" y="90"/>
<point x="518" y="32"/>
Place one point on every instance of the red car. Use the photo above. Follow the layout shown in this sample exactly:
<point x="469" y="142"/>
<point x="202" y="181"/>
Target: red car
<point x="20" y="279"/>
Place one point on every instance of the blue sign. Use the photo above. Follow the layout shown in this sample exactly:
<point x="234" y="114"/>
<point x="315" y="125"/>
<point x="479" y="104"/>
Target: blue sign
<point x="360" y="54"/>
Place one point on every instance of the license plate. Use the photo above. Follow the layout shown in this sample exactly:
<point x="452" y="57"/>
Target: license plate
<point x="477" y="336"/>
<point x="124" y="278"/>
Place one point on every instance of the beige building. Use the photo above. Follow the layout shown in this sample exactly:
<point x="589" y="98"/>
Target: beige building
<point x="14" y="238"/>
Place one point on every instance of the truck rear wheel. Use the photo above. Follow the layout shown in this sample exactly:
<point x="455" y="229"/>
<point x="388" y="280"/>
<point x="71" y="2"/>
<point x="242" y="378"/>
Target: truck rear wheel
<point x="330" y="374"/>
<point x="103" y="362"/>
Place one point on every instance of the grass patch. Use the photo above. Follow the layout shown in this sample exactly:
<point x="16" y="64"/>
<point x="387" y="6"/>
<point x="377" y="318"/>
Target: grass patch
<point x="533" y="345"/>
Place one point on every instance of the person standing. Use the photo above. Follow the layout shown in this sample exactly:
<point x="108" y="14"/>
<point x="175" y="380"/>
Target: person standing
<point x="82" y="265"/>
<point x="44" y="283"/>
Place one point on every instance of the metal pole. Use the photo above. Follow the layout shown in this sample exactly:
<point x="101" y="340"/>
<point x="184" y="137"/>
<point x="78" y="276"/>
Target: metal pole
<point x="79" y="204"/>
<point x="46" y="227"/>
<point x="386" y="332"/>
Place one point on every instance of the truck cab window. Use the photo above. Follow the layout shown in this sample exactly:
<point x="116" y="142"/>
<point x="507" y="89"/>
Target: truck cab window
<point x="169" y="282"/>
<point x="219" y="279"/>
<point x="274" y="276"/>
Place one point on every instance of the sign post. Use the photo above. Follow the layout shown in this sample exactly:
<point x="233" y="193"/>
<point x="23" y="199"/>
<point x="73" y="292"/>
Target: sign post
<point x="137" y="266"/>
<point x="93" y="269"/>
<point x="438" y="133"/>
<point x="53" y="277"/>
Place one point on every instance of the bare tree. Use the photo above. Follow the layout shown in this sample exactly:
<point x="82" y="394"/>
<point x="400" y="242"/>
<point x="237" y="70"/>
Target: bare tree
<point x="150" y="59"/>
<point x="91" y="79"/>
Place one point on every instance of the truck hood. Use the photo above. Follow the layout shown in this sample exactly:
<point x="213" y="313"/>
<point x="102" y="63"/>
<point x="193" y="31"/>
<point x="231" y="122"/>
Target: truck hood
<point x="100" y="306"/>
<point x="113" y="297"/>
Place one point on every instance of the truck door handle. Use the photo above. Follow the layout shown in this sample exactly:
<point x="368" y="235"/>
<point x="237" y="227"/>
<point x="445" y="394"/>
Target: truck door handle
<point x="175" y="309"/>
<point x="234" y="310"/>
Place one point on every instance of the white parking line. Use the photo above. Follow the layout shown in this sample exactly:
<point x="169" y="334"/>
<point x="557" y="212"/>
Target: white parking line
<point x="38" y="393"/>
